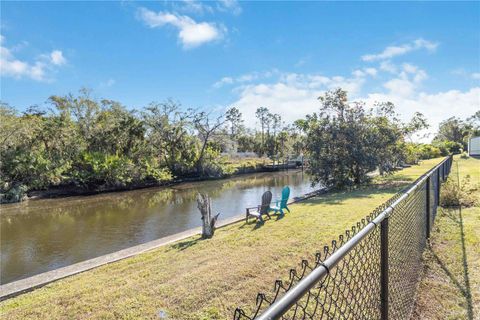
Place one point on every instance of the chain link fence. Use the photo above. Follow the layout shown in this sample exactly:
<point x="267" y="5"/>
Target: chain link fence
<point x="370" y="272"/>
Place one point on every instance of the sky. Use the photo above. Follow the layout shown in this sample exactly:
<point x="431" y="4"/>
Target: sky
<point x="422" y="56"/>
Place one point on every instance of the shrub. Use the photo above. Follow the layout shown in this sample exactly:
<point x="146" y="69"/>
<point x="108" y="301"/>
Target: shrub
<point x="98" y="169"/>
<point x="419" y="151"/>
<point x="151" y="170"/>
<point x="454" y="194"/>
<point x="14" y="194"/>
<point x="448" y="147"/>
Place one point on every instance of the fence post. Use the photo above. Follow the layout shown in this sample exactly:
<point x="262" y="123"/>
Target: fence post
<point x="443" y="172"/>
<point x="438" y="187"/>
<point x="427" y="185"/>
<point x="384" y="269"/>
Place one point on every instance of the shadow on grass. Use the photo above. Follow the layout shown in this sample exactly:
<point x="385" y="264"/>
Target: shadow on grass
<point x="339" y="197"/>
<point x="396" y="178"/>
<point x="463" y="287"/>
<point x="185" y="244"/>
<point x="253" y="222"/>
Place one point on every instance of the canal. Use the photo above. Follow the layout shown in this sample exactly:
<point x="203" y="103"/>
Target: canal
<point x="42" y="235"/>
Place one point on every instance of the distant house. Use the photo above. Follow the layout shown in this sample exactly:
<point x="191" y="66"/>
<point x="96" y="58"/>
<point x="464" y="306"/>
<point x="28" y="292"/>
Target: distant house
<point x="474" y="146"/>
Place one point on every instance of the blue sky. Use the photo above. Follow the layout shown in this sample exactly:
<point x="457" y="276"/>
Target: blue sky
<point x="421" y="56"/>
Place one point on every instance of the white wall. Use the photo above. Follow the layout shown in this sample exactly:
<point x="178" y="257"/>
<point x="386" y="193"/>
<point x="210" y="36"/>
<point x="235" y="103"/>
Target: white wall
<point x="474" y="146"/>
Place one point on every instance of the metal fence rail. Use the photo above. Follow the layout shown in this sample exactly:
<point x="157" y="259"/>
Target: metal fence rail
<point x="370" y="272"/>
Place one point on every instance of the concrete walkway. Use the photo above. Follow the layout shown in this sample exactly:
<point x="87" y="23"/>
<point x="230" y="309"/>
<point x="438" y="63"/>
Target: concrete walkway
<point x="24" y="285"/>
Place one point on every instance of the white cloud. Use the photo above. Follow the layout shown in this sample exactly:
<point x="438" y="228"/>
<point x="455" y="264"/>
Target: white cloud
<point x="407" y="81"/>
<point x="192" y="6"/>
<point x="296" y="98"/>
<point x="109" y="83"/>
<point x="400" y="87"/>
<point x="364" y="72"/>
<point x="223" y="81"/>
<point x="292" y="95"/>
<point x="461" y="72"/>
<point x="290" y="101"/>
<point x="393" y="51"/>
<point x="247" y="77"/>
<point x="37" y="70"/>
<point x="201" y="7"/>
<point x="57" y="58"/>
<point x="388" y="66"/>
<point x="435" y="106"/>
<point x="231" y="6"/>
<point x="190" y="33"/>
<point x="371" y="71"/>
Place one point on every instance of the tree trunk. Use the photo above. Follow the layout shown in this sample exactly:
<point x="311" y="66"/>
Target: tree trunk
<point x="208" y="222"/>
<point x="200" y="157"/>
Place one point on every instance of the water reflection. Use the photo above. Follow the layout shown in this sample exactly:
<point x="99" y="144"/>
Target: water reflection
<point x="43" y="235"/>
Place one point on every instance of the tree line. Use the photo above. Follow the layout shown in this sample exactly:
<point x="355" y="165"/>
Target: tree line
<point x="99" y="145"/>
<point x="94" y="144"/>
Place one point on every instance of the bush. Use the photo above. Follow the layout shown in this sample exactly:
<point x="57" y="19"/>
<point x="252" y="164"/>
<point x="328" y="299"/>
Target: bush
<point x="415" y="152"/>
<point x="14" y="194"/>
<point x="214" y="166"/>
<point x="453" y="194"/>
<point x="98" y="169"/>
<point x="151" y="170"/>
<point x="448" y="147"/>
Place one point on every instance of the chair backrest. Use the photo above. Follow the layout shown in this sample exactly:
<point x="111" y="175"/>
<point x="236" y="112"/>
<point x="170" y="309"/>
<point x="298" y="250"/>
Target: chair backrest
<point x="285" y="196"/>
<point x="266" y="201"/>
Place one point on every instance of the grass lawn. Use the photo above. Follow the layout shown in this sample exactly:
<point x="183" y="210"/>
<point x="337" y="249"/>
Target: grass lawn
<point x="450" y="288"/>
<point x="195" y="279"/>
<point x="240" y="163"/>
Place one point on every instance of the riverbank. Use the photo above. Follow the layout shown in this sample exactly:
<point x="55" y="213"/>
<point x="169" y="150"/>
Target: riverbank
<point x="240" y="167"/>
<point x="15" y="288"/>
<point x="450" y="287"/>
<point x="195" y="279"/>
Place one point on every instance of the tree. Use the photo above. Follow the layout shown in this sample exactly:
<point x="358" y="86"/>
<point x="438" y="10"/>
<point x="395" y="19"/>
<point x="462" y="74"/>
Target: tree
<point x="169" y="131"/>
<point x="234" y="118"/>
<point x="262" y="116"/>
<point x="103" y="145"/>
<point x="473" y="125"/>
<point x="452" y="129"/>
<point x="273" y="125"/>
<point x="453" y="133"/>
<point x="416" y="124"/>
<point x="206" y="129"/>
<point x="345" y="142"/>
<point x="208" y="221"/>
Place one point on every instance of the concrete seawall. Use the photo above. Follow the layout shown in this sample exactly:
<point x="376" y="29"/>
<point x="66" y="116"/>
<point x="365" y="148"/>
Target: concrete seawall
<point x="15" y="288"/>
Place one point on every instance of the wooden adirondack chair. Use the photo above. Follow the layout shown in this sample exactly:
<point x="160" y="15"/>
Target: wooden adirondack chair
<point x="259" y="210"/>
<point x="282" y="203"/>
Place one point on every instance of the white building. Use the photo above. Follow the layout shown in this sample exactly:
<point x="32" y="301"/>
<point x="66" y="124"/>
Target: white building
<point x="474" y="146"/>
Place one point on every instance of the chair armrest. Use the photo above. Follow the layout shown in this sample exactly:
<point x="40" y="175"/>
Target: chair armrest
<point x="250" y="208"/>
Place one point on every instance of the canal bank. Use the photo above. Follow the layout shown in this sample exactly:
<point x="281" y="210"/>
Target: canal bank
<point x="15" y="288"/>
<point x="43" y="235"/>
<point x="69" y="191"/>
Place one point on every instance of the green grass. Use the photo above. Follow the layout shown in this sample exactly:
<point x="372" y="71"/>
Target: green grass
<point x="450" y="288"/>
<point x="195" y="279"/>
<point x="239" y="163"/>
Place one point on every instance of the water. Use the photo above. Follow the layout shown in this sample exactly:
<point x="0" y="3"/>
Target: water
<point x="42" y="235"/>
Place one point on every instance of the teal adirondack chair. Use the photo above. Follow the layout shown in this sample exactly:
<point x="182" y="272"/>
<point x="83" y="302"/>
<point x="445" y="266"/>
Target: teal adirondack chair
<point x="282" y="203"/>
